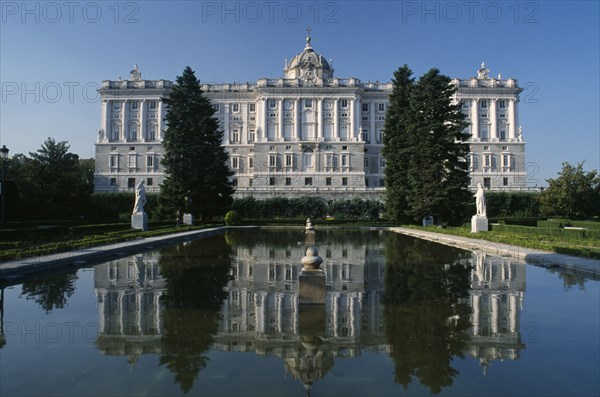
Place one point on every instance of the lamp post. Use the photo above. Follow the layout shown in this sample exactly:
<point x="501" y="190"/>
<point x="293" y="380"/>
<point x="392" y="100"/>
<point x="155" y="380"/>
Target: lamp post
<point x="4" y="153"/>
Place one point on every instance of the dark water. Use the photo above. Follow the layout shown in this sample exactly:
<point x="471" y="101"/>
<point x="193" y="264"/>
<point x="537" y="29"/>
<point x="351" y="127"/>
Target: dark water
<point x="220" y="316"/>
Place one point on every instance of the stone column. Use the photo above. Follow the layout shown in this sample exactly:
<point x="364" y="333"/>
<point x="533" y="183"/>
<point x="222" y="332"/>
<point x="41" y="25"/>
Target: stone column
<point x="511" y="119"/>
<point x="160" y="124"/>
<point x="352" y="123"/>
<point x="143" y="132"/>
<point x="244" y="131"/>
<point x="320" y="136"/>
<point x="124" y="120"/>
<point x="279" y="134"/>
<point x="493" y="120"/>
<point x="264" y="121"/>
<point x="494" y="313"/>
<point x="474" y="118"/>
<point x="298" y="118"/>
<point x="105" y="122"/>
<point x="336" y="122"/>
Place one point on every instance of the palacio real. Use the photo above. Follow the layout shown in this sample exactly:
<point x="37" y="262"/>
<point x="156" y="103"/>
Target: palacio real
<point x="308" y="133"/>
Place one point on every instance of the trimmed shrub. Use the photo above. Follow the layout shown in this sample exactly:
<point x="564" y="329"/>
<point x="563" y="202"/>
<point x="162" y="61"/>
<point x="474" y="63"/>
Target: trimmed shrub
<point x="232" y="218"/>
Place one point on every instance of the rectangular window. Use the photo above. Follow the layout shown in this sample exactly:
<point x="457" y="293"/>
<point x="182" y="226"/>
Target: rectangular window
<point x="328" y="181"/>
<point x="365" y="136"/>
<point x="235" y="137"/>
<point x="308" y="181"/>
<point x="216" y="107"/>
<point x="288" y="181"/>
<point x="135" y="105"/>
<point x="308" y="103"/>
<point x="289" y="160"/>
<point x="235" y="107"/>
<point x="487" y="183"/>
<point x="344" y="103"/>
<point x="382" y="182"/>
<point x="272" y="181"/>
<point x="365" y="107"/>
<point x="149" y="181"/>
<point x="116" y="106"/>
<point x="131" y="183"/>
<point x="152" y="105"/>
<point x="252" y="107"/>
<point x="272" y="160"/>
<point x="502" y="104"/>
<point x="381" y="107"/>
<point x="502" y="134"/>
<point x="114" y="161"/>
<point x="234" y="182"/>
<point x="344" y="160"/>
<point x="250" y="162"/>
<point x="132" y="161"/>
<point x="251" y="136"/>
<point x="381" y="162"/>
<point x="113" y="181"/>
<point x="235" y="162"/>
<point x="150" y="161"/>
<point x="504" y="181"/>
<point x="466" y="105"/>
<point x="366" y="162"/>
<point x="484" y="103"/>
<point x="344" y="181"/>
<point x="272" y="104"/>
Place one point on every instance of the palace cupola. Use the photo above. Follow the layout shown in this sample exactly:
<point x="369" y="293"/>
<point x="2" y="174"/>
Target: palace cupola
<point x="308" y="65"/>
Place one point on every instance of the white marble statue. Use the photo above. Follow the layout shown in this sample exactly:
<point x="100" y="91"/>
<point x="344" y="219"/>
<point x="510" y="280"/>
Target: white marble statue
<point x="140" y="198"/>
<point x="480" y="201"/>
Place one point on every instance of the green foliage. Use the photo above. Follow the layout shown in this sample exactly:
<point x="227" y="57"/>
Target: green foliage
<point x="195" y="163"/>
<point x="51" y="183"/>
<point x="118" y="206"/>
<point x="232" y="218"/>
<point x="574" y="194"/>
<point x="396" y="145"/>
<point x="559" y="232"/>
<point x="426" y="150"/>
<point x="512" y="204"/>
<point x="303" y="207"/>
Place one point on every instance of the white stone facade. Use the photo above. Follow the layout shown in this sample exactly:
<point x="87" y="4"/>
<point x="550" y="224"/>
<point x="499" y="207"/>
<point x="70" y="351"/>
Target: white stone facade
<point x="307" y="133"/>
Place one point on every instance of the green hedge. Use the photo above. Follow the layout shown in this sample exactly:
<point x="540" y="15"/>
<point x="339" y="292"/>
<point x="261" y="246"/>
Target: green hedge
<point x="303" y="207"/>
<point x="567" y="233"/>
<point x="512" y="204"/>
<point x="561" y="223"/>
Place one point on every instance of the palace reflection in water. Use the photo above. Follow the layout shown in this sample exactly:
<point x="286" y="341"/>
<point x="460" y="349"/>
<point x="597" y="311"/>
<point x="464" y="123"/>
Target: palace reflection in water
<point x="380" y="297"/>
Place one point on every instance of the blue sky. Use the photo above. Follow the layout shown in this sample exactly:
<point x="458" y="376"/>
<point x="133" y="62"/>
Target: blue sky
<point x="53" y="55"/>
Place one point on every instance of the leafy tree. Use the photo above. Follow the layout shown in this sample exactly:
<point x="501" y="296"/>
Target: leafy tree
<point x="437" y="172"/>
<point x="51" y="292"/>
<point x="574" y="194"/>
<point x="195" y="163"/>
<point x="54" y="182"/>
<point x="396" y="148"/>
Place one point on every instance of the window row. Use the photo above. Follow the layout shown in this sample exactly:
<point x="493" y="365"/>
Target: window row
<point x="489" y="162"/>
<point x="132" y="132"/>
<point x="151" y="163"/>
<point x="484" y="104"/>
<point x="134" y="106"/>
<point x="380" y="107"/>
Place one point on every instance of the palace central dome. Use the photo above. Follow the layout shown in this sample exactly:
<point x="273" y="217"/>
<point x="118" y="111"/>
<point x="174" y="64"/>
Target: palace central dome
<point x="308" y="65"/>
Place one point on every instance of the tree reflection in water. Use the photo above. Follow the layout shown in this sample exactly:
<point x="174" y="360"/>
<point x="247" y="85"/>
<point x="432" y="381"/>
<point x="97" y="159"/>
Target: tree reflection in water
<point x="51" y="292"/>
<point x="426" y="312"/>
<point x="195" y="276"/>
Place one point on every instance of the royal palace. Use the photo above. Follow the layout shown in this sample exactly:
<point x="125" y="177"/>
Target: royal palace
<point x="306" y="133"/>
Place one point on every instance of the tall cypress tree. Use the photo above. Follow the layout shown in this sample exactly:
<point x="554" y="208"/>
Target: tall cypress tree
<point x="438" y="173"/>
<point x="195" y="163"/>
<point x="396" y="148"/>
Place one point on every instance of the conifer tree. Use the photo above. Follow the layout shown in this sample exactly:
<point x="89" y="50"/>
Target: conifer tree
<point x="438" y="175"/>
<point x="195" y="163"/>
<point x="396" y="149"/>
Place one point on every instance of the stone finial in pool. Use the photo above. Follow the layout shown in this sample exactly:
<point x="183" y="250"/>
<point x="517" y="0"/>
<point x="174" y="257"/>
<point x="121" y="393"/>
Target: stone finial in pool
<point x="309" y="225"/>
<point x="312" y="260"/>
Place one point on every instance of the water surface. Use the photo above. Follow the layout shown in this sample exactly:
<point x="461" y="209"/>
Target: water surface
<point x="220" y="316"/>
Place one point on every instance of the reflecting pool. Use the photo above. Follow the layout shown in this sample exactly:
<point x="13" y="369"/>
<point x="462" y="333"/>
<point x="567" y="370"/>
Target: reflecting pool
<point x="220" y="316"/>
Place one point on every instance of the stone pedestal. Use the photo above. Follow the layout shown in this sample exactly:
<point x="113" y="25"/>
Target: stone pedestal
<point x="188" y="219"/>
<point x="139" y="220"/>
<point x="479" y="223"/>
<point x="311" y="287"/>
